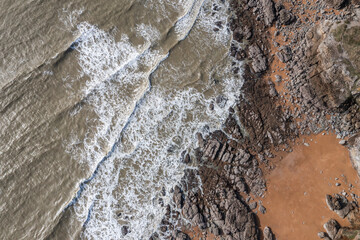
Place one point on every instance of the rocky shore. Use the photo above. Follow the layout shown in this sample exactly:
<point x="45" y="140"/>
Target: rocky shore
<point x="301" y="72"/>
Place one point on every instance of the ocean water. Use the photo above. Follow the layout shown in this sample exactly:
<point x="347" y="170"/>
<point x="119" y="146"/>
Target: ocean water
<point x="98" y="100"/>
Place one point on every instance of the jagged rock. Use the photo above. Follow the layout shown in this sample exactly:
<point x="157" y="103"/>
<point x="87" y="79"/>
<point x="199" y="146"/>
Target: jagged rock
<point x="259" y="62"/>
<point x="212" y="149"/>
<point x="339" y="204"/>
<point x="178" y="197"/>
<point x="238" y="220"/>
<point x="269" y="11"/>
<point x="332" y="227"/>
<point x="268" y="235"/>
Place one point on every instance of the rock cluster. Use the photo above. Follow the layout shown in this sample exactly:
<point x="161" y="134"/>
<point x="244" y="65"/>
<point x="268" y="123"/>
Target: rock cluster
<point x="323" y="81"/>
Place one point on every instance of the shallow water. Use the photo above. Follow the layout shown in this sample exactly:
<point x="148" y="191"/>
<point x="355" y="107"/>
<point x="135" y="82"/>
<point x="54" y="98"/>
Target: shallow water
<point x="98" y="101"/>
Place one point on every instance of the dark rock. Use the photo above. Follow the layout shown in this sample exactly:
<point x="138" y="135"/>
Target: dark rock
<point x="337" y="4"/>
<point x="124" y="230"/>
<point x="332" y="227"/>
<point x="339" y="204"/>
<point x="285" y="17"/>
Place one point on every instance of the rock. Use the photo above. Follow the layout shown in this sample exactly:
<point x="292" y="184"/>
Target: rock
<point x="259" y="62"/>
<point x="178" y="197"/>
<point x="272" y="89"/>
<point x="124" y="230"/>
<point x="337" y="4"/>
<point x="215" y="230"/>
<point x="211" y="149"/>
<point x="201" y="140"/>
<point x="354" y="149"/>
<point x="332" y="227"/>
<point x="262" y="209"/>
<point x="252" y="3"/>
<point x="342" y="142"/>
<point x="182" y="236"/>
<point x="269" y="11"/>
<point x="285" y="17"/>
<point x="253" y="205"/>
<point x="268" y="235"/>
<point x="285" y="54"/>
<point x="187" y="159"/>
<point x="221" y="101"/>
<point x="344" y="211"/>
<point x="339" y="204"/>
<point x="321" y="234"/>
<point x="278" y="78"/>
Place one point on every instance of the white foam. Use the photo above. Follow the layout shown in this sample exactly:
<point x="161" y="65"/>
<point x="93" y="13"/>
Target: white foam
<point x="147" y="157"/>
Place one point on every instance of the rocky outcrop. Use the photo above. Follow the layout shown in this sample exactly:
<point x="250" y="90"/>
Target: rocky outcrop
<point x="333" y="55"/>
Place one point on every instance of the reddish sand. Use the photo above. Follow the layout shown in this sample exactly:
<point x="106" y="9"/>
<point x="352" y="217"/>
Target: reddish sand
<point x="196" y="234"/>
<point x="295" y="200"/>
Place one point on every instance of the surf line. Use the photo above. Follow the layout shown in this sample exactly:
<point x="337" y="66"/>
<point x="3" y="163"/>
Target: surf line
<point x="85" y="182"/>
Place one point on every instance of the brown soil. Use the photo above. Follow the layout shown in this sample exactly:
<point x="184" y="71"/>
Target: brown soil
<point x="197" y="234"/>
<point x="295" y="200"/>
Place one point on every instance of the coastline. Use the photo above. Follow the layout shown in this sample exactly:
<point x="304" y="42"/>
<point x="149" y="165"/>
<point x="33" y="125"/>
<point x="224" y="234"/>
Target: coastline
<point x="283" y="101"/>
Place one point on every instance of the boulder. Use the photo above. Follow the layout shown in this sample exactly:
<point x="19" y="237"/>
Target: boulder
<point x="332" y="227"/>
<point x="269" y="11"/>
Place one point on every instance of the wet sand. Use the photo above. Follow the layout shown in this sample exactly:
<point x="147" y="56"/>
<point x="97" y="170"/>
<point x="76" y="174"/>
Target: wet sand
<point x="295" y="200"/>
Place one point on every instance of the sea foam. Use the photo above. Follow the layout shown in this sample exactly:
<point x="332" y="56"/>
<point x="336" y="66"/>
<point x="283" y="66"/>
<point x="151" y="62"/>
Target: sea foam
<point x="142" y="129"/>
